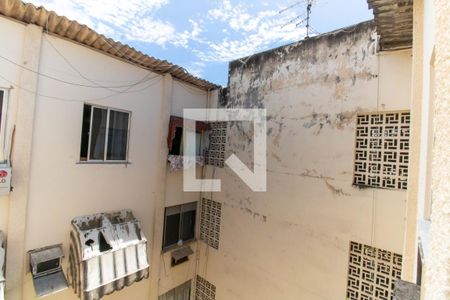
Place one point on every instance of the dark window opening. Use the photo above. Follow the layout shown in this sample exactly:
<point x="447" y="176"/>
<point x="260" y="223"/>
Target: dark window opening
<point x="85" y="132"/>
<point x="2" y="93"/>
<point x="179" y="224"/>
<point x="98" y="134"/>
<point x="117" y="135"/>
<point x="48" y="265"/>
<point x="177" y="142"/>
<point x="176" y="132"/>
<point x="188" y="225"/>
<point x="172" y="228"/>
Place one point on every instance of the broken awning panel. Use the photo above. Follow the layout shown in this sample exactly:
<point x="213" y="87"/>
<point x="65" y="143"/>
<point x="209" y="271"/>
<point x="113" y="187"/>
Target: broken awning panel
<point x="108" y="251"/>
<point x="2" y="265"/>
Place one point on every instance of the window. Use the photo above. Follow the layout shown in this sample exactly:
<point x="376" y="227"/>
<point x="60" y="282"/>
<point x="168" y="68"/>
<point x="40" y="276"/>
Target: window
<point x="175" y="138"/>
<point x="4" y="156"/>
<point x="104" y="134"/>
<point x="2" y="95"/>
<point x="204" y="289"/>
<point x="211" y="213"/>
<point x="179" y="224"/>
<point x="382" y="150"/>
<point x="372" y="272"/>
<point x="182" y="292"/>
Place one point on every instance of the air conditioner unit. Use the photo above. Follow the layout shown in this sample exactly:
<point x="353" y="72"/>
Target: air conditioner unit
<point x="5" y="179"/>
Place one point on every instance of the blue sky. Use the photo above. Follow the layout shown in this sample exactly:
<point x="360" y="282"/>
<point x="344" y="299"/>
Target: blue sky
<point x="204" y="35"/>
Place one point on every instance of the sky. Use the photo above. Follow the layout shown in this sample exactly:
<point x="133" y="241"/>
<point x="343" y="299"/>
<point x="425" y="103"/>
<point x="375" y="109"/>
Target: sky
<point x="204" y="35"/>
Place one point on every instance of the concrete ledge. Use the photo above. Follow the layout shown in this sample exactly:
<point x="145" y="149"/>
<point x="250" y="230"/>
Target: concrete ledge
<point x="406" y="291"/>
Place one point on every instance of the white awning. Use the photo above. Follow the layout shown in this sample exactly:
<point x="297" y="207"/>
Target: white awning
<point x="108" y="252"/>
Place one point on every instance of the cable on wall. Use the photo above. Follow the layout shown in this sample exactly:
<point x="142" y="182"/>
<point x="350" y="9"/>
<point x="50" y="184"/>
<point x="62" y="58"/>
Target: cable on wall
<point x="96" y="84"/>
<point x="127" y="91"/>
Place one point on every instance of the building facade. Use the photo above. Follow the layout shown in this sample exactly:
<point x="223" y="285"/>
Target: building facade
<point x="357" y="189"/>
<point x="337" y="147"/>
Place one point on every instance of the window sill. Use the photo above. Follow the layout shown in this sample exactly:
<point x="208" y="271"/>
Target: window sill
<point x="174" y="247"/>
<point x="103" y="163"/>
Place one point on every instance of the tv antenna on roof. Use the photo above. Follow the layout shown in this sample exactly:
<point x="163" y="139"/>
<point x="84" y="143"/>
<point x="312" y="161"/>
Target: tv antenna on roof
<point x="304" y="18"/>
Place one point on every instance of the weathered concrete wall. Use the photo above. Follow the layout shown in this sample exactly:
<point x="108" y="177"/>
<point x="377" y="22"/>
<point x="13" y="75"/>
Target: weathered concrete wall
<point x="292" y="241"/>
<point x="437" y="282"/>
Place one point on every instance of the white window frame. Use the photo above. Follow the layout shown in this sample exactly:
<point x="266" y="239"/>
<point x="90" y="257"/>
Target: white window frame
<point x="3" y="125"/>
<point x="108" y="111"/>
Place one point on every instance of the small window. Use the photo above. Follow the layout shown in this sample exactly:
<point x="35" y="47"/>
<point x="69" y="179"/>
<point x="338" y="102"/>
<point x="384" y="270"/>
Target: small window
<point x="175" y="138"/>
<point x="182" y="292"/>
<point x="179" y="224"/>
<point x="4" y="156"/>
<point x="2" y="95"/>
<point x="104" y="134"/>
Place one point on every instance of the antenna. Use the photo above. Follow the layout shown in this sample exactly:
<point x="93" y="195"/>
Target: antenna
<point x="308" y="16"/>
<point x="303" y="18"/>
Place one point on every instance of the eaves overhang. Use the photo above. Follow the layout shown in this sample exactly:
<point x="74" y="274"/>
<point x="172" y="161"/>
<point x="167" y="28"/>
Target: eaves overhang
<point x="82" y="34"/>
<point x="394" y="22"/>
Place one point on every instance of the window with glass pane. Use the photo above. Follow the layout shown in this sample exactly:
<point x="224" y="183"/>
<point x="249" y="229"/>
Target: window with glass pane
<point x="179" y="224"/>
<point x="2" y="93"/>
<point x="182" y="292"/>
<point x="104" y="135"/>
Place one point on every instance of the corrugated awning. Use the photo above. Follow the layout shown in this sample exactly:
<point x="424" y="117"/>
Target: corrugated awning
<point x="108" y="251"/>
<point x="394" y="21"/>
<point x="72" y="30"/>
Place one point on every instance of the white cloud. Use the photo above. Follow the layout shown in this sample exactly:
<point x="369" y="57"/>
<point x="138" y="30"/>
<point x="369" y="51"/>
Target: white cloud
<point x="132" y="19"/>
<point x="196" y="68"/>
<point x="256" y="31"/>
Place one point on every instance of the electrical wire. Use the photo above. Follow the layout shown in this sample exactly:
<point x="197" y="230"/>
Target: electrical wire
<point x="80" y="73"/>
<point x="81" y="100"/>
<point x="191" y="90"/>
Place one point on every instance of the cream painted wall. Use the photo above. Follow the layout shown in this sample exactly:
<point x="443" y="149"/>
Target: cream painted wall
<point x="12" y="51"/>
<point x="61" y="187"/>
<point x="292" y="241"/>
<point x="184" y="96"/>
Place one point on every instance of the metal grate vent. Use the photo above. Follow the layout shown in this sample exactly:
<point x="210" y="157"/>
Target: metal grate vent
<point x="210" y="216"/>
<point x="372" y="273"/>
<point x="382" y="150"/>
<point x="215" y="155"/>
<point x="204" y="289"/>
